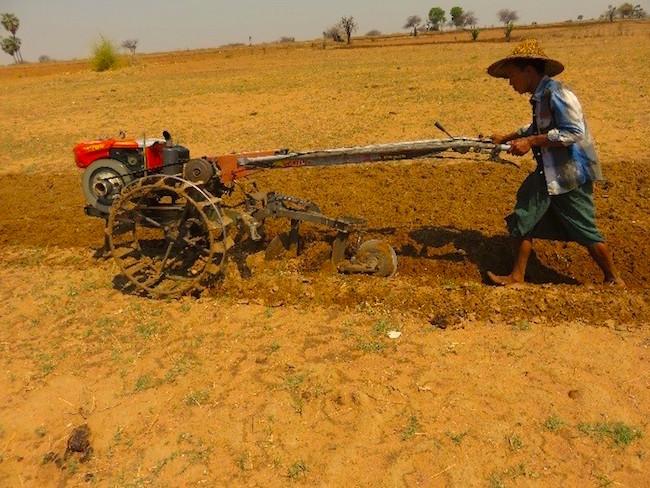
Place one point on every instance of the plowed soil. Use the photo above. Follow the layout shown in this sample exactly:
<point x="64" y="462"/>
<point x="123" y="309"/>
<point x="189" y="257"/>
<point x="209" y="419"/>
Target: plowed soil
<point x="283" y="372"/>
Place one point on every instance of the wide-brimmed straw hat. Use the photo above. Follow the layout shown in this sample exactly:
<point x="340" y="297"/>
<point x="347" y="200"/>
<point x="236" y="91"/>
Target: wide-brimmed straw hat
<point x="528" y="49"/>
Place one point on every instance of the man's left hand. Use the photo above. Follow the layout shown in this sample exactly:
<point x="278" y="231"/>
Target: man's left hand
<point x="520" y="146"/>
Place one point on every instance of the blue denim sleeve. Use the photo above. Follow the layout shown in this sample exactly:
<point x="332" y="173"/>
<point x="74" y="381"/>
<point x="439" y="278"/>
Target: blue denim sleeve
<point x="569" y="119"/>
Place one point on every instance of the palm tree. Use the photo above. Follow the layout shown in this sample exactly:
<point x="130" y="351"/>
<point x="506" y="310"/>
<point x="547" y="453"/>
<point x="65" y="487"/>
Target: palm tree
<point x="10" y="46"/>
<point x="11" y="23"/>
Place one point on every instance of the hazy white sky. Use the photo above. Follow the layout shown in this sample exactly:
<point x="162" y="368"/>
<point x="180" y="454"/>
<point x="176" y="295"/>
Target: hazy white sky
<point x="64" y="29"/>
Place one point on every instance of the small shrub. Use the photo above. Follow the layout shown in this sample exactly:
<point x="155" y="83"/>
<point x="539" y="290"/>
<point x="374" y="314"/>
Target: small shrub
<point x="475" y="32"/>
<point x="104" y="56"/>
<point x="373" y="33"/>
<point x="286" y="39"/>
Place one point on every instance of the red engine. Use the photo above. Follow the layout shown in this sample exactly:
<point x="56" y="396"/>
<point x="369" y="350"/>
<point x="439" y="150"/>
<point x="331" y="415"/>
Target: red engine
<point x="130" y="151"/>
<point x="111" y="164"/>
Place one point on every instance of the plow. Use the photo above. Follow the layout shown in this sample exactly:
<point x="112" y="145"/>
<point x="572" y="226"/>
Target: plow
<point x="170" y="229"/>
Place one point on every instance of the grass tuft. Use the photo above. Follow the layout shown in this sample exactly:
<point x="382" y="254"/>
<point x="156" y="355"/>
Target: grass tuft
<point x="619" y="433"/>
<point x="553" y="423"/>
<point x="456" y="438"/>
<point x="412" y="427"/>
<point x="297" y="469"/>
<point x="514" y="442"/>
<point x="197" y="397"/>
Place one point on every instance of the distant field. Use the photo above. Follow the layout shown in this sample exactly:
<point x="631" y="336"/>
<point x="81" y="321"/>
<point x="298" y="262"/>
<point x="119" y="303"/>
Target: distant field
<point x="287" y="376"/>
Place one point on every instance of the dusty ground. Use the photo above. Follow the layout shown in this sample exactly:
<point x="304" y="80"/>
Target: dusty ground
<point x="288" y="376"/>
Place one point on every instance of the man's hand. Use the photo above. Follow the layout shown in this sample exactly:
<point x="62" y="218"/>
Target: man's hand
<point x="520" y="146"/>
<point x="500" y="138"/>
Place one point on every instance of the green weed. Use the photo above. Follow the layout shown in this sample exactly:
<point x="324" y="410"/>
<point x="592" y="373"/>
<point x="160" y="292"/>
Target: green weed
<point x="145" y="382"/>
<point x="180" y="368"/>
<point x="148" y="330"/>
<point x="198" y="397"/>
<point x="553" y="423"/>
<point x="412" y="427"/>
<point x="514" y="442"/>
<point x="292" y="384"/>
<point x="495" y="481"/>
<point x="456" y="438"/>
<point x="371" y="346"/>
<point x="619" y="433"/>
<point x="603" y="481"/>
<point x="297" y="469"/>
<point x="382" y="326"/>
<point x="45" y="364"/>
<point x="243" y="462"/>
<point x="522" y="325"/>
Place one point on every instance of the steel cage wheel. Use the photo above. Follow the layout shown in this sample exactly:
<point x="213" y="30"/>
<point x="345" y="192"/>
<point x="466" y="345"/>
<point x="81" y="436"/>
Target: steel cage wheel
<point x="167" y="235"/>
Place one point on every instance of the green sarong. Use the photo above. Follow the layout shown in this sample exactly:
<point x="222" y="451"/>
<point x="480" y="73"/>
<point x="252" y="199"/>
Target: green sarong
<point x="567" y="217"/>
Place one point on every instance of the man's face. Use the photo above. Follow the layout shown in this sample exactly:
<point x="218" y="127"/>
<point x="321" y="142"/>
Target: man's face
<point x="520" y="79"/>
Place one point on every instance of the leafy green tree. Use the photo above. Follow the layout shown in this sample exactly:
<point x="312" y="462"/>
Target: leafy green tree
<point x="436" y="18"/>
<point x="412" y="22"/>
<point x="457" y="17"/>
<point x="11" y="45"/>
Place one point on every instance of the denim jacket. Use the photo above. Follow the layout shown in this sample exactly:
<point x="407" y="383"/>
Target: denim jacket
<point x="558" y="114"/>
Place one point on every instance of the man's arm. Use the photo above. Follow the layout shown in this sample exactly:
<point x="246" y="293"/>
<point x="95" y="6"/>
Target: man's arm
<point x="503" y="138"/>
<point x="521" y="146"/>
<point x="570" y="125"/>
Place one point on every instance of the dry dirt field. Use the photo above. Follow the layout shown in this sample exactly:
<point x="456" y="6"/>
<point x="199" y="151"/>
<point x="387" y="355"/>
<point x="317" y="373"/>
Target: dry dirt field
<point x="287" y="377"/>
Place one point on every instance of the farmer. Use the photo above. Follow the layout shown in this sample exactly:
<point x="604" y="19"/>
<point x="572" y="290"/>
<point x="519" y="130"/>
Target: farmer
<point x="555" y="201"/>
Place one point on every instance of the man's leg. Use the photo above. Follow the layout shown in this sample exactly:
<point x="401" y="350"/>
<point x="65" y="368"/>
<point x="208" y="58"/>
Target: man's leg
<point x="524" y="247"/>
<point x="603" y="257"/>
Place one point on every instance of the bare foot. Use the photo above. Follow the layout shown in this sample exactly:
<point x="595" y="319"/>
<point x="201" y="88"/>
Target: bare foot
<point x="616" y="282"/>
<point x="507" y="280"/>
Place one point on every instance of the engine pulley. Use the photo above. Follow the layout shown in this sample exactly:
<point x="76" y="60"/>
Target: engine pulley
<point x="199" y="171"/>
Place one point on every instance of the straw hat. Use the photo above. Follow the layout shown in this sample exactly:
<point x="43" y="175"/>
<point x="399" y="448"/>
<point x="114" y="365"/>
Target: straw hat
<point x="528" y="49"/>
